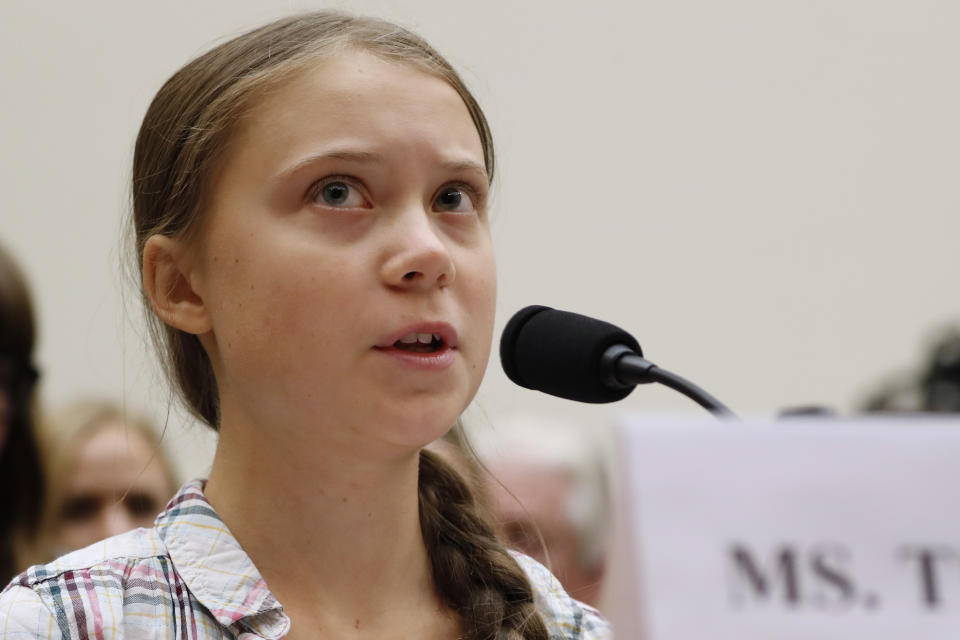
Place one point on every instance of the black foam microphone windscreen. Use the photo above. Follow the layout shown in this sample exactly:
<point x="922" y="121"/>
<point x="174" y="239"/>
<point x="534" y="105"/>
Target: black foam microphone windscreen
<point x="559" y="353"/>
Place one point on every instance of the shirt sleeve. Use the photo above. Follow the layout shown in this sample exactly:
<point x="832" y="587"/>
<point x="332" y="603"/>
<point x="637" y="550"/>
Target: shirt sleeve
<point x="24" y="616"/>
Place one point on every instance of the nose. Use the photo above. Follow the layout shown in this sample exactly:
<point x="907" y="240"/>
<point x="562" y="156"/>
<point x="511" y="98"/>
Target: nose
<point x="418" y="258"/>
<point x="116" y="520"/>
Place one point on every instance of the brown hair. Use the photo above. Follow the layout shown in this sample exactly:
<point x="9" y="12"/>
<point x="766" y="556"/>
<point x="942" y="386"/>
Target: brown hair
<point x="20" y="473"/>
<point x="185" y="133"/>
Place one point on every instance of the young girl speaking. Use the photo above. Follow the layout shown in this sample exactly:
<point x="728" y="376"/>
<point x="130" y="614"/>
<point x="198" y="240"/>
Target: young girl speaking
<point x="310" y="211"/>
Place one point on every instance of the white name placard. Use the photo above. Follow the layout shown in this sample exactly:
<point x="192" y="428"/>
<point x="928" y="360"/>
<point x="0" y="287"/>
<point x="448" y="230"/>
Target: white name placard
<point x="813" y="529"/>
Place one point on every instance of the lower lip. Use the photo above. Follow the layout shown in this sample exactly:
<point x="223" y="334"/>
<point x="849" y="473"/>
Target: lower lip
<point x="435" y="361"/>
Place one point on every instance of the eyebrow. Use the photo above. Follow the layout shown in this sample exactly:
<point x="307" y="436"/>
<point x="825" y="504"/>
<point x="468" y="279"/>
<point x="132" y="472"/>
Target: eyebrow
<point x="467" y="165"/>
<point x="367" y="157"/>
<point x="362" y="157"/>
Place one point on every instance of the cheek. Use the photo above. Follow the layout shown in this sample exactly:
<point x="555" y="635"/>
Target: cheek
<point x="482" y="294"/>
<point x="279" y="304"/>
<point x="75" y="534"/>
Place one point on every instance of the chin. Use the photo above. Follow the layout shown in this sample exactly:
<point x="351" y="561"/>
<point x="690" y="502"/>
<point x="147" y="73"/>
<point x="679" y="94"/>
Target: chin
<point x="416" y="425"/>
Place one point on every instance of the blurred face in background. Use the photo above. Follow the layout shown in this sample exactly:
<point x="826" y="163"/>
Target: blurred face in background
<point x="539" y="502"/>
<point x="114" y="484"/>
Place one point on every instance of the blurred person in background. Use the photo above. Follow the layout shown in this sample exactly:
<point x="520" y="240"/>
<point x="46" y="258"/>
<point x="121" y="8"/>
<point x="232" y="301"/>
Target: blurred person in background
<point x="106" y="473"/>
<point x="20" y="476"/>
<point x="932" y="388"/>
<point x="548" y="479"/>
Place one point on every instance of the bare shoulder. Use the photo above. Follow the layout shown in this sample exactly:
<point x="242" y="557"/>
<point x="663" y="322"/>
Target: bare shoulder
<point x="566" y="618"/>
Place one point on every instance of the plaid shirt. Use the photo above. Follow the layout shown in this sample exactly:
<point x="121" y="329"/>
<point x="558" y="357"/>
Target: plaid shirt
<point x="187" y="577"/>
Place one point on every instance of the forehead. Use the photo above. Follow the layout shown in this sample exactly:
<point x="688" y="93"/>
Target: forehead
<point x="112" y="443"/>
<point x="356" y="97"/>
<point x="115" y="455"/>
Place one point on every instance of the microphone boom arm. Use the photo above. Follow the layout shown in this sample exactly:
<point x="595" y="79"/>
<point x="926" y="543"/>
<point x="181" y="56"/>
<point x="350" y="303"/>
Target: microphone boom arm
<point x="622" y="366"/>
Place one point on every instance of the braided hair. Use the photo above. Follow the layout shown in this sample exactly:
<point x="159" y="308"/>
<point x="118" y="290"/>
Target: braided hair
<point x="474" y="575"/>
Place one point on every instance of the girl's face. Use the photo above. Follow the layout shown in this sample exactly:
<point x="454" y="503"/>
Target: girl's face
<point x="345" y="265"/>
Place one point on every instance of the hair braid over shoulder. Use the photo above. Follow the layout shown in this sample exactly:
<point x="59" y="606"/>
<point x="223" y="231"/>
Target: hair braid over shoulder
<point x="473" y="573"/>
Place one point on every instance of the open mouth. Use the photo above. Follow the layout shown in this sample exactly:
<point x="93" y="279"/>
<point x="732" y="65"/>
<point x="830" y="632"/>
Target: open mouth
<point x="420" y="343"/>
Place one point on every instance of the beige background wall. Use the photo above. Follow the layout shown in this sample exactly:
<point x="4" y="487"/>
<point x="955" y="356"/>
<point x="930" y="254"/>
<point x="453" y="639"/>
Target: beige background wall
<point x="765" y="193"/>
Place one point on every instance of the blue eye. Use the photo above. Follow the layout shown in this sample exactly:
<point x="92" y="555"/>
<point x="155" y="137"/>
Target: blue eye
<point x="336" y="193"/>
<point x="454" y="199"/>
<point x="339" y="194"/>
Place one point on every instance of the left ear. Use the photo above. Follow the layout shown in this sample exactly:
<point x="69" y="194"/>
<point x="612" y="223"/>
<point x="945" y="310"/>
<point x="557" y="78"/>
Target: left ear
<point x="168" y="286"/>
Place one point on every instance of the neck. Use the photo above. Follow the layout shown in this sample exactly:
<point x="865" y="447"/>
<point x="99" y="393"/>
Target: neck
<point x="336" y="534"/>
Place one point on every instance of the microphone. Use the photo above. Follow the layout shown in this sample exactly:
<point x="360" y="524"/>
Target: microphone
<point x="580" y="358"/>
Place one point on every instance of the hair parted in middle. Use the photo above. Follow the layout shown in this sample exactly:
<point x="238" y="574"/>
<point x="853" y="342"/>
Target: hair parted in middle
<point x="185" y="135"/>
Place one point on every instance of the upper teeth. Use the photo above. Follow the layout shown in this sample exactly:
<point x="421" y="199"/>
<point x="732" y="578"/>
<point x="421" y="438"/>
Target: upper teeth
<point x="422" y="338"/>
